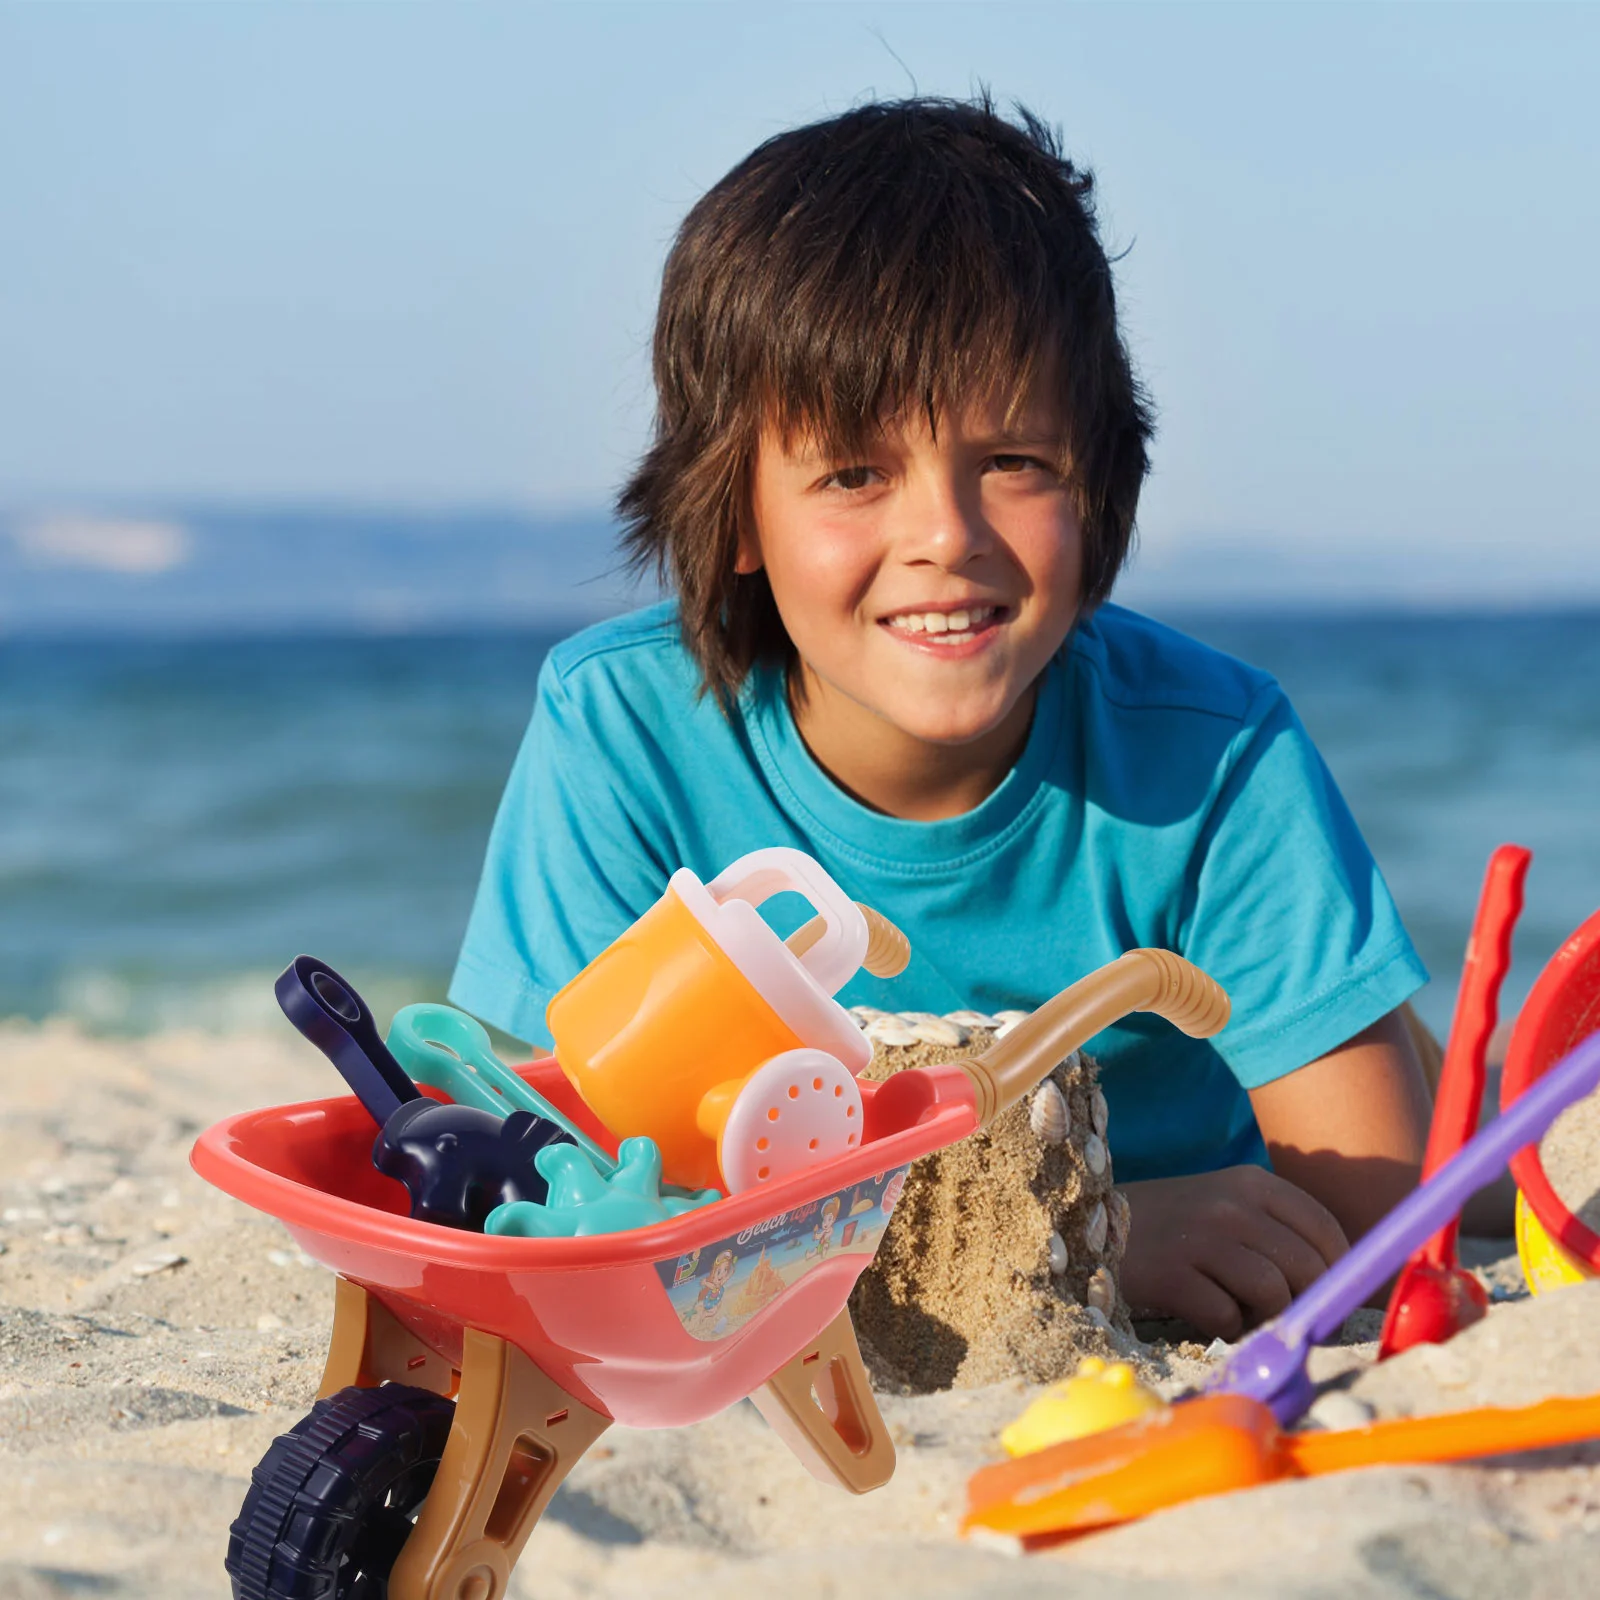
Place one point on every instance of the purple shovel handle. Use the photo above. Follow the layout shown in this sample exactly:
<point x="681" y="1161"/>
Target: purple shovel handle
<point x="1270" y="1365"/>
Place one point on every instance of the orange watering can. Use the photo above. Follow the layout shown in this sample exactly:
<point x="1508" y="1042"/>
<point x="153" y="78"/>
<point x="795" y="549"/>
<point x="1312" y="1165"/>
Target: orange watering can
<point x="703" y="1030"/>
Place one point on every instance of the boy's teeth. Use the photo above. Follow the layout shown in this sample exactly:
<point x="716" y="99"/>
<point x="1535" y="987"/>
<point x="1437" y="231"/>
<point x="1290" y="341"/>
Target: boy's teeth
<point x="942" y="621"/>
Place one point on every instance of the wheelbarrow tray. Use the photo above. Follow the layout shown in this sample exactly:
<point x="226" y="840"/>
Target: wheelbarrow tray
<point x="624" y="1322"/>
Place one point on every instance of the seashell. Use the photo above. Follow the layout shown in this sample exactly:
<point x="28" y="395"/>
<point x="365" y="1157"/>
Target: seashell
<point x="934" y="1030"/>
<point x="1005" y="1021"/>
<point x="865" y="1014"/>
<point x="1095" y="1229"/>
<point x="969" y="1019"/>
<point x="1058" y="1254"/>
<point x="1071" y="1064"/>
<point x="890" y="1030"/>
<point x="1340" y="1411"/>
<point x="1099" y="1111"/>
<point x="1094" y="1154"/>
<point x="1120" y="1218"/>
<point x="1048" y="1114"/>
<point x="1101" y="1295"/>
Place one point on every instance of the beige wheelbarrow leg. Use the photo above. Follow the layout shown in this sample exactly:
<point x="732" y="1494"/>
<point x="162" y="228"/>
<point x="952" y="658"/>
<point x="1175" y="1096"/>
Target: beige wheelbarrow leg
<point x="369" y="1346"/>
<point x="821" y="1405"/>
<point x="516" y="1435"/>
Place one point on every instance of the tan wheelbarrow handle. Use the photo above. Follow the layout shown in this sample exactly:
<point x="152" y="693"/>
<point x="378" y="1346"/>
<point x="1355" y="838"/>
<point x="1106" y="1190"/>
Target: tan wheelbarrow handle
<point x="1141" y="980"/>
<point x="888" y="950"/>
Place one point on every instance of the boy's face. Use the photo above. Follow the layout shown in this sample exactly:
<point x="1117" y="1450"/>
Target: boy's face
<point x="925" y="586"/>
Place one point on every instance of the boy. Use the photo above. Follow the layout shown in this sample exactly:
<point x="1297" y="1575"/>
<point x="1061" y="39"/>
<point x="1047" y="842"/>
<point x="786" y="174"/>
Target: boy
<point x="897" y="455"/>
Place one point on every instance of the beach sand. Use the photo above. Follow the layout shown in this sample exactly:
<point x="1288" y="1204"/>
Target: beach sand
<point x="155" y="1336"/>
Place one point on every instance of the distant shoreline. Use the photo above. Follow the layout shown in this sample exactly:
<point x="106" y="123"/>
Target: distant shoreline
<point x="558" y="623"/>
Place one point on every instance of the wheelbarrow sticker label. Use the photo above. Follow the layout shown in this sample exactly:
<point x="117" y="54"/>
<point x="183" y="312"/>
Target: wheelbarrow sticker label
<point x="718" y="1287"/>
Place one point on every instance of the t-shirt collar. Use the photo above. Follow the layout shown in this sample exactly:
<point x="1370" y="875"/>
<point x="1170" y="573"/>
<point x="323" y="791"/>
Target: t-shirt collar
<point x="805" y="788"/>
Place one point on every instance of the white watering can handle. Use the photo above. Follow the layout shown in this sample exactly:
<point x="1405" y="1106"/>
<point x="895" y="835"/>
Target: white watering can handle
<point x="836" y="957"/>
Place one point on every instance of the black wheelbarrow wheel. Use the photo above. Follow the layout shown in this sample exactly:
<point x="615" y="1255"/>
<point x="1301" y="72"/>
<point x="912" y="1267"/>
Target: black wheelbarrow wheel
<point x="333" y="1499"/>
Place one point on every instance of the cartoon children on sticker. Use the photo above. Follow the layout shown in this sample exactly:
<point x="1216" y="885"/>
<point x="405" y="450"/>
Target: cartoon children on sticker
<point x="822" y="1234"/>
<point x="715" y="1286"/>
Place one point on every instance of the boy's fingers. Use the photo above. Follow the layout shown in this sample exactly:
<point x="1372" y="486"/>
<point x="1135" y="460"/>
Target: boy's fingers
<point x="1206" y="1304"/>
<point x="1252" y="1278"/>
<point x="1310" y="1219"/>
<point x="1297" y="1261"/>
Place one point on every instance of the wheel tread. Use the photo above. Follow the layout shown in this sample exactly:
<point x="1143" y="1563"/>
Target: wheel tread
<point x="318" y="1485"/>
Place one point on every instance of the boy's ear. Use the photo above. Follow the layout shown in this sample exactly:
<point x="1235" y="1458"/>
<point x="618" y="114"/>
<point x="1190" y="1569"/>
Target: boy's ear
<point x="746" y="551"/>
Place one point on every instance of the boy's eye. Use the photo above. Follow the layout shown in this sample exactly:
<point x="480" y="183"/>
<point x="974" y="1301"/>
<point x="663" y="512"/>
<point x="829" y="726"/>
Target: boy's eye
<point x="849" y="478"/>
<point x="1019" y="464"/>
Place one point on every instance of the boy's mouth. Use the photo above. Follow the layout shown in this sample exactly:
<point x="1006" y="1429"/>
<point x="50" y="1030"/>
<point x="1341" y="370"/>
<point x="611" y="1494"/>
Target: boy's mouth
<point x="944" y="629"/>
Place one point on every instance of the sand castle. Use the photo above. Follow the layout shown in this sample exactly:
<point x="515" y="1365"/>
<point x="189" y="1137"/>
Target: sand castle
<point x="1002" y="1255"/>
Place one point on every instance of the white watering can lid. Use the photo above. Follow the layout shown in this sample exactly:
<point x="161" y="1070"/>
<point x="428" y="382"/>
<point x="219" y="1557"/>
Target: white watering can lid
<point x="799" y="988"/>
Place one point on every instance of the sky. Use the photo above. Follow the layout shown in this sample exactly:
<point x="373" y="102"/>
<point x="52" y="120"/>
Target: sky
<point x="386" y="255"/>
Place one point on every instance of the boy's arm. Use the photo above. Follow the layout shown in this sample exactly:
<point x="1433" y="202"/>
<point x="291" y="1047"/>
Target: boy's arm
<point x="1350" y="1128"/>
<point x="1385" y="1110"/>
<point x="1224" y="1250"/>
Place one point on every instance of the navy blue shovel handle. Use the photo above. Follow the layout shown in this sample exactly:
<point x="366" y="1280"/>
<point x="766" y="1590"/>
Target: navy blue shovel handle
<point x="336" y="1020"/>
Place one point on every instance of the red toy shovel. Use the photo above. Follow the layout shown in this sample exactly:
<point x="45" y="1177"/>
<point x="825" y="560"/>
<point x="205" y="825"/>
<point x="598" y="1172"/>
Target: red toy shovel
<point x="1434" y="1297"/>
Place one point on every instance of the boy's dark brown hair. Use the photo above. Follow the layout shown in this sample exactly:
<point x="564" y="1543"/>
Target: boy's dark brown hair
<point x="912" y="253"/>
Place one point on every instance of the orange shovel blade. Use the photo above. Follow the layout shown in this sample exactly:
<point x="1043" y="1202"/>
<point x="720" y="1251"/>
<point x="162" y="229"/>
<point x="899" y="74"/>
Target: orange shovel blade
<point x="1223" y="1442"/>
<point x="1198" y="1447"/>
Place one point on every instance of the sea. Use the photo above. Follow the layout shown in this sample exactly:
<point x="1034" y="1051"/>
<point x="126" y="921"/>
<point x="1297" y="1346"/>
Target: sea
<point x="180" y="815"/>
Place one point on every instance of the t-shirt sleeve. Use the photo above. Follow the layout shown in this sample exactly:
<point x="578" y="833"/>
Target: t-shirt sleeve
<point x="570" y="865"/>
<point x="1288" y="909"/>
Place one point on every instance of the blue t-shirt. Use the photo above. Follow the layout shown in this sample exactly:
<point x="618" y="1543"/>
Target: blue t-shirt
<point x="1167" y="795"/>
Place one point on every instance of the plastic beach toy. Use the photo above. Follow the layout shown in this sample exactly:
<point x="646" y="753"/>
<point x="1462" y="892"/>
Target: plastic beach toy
<point x="1225" y="1442"/>
<point x="457" y="1162"/>
<point x="1096" y="1397"/>
<point x="1270" y="1365"/>
<point x="1563" y="1007"/>
<point x="703" y="1030"/>
<point x="446" y="1049"/>
<point x="1546" y="1265"/>
<point x="501" y="1360"/>
<point x="1435" y="1297"/>
<point x="583" y="1199"/>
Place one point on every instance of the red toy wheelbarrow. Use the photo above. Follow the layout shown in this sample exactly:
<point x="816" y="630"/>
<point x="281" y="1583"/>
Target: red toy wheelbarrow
<point x="468" y="1373"/>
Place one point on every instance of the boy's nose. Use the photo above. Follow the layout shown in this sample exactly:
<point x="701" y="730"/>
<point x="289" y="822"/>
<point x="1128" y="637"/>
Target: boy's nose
<point x="942" y="526"/>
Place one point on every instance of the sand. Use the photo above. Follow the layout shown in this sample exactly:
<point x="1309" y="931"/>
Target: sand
<point x="155" y="1336"/>
<point x="1570" y="1156"/>
<point x="962" y="1291"/>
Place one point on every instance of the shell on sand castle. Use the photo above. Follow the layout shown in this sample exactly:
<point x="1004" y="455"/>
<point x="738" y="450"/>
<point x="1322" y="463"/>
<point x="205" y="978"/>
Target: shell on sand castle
<point x="1097" y="1228"/>
<point x="1120" y="1217"/>
<point x="985" y="1269"/>
<point x="1101" y="1295"/>
<point x="936" y="1030"/>
<point x="1099" y="1111"/>
<point x="892" y="1031"/>
<point x="970" y="1019"/>
<point x="1095" y="1155"/>
<point x="1048" y="1114"/>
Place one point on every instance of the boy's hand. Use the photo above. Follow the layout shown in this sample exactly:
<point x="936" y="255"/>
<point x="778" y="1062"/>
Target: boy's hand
<point x="1224" y="1250"/>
